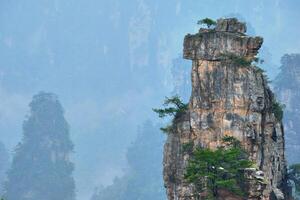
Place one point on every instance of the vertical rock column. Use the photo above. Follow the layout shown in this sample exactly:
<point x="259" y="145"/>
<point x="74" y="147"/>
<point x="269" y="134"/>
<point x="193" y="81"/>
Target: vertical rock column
<point x="228" y="99"/>
<point x="287" y="89"/>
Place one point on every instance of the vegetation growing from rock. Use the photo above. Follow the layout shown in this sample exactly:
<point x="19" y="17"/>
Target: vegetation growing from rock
<point x="187" y="147"/>
<point x="245" y="62"/>
<point x="212" y="170"/>
<point x="174" y="107"/>
<point x="242" y="61"/>
<point x="167" y="129"/>
<point x="236" y="60"/>
<point x="277" y="109"/>
<point x="208" y="22"/>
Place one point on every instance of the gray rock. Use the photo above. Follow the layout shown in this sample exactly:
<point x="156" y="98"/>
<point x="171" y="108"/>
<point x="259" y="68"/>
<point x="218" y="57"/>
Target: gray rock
<point x="231" y="25"/>
<point x="212" y="45"/>
<point x="227" y="99"/>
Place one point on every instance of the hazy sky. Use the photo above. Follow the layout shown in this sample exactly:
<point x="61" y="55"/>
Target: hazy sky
<point x="109" y="62"/>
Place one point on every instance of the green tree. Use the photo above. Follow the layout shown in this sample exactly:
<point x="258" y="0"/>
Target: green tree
<point x="174" y="107"/>
<point x="41" y="167"/>
<point x="211" y="170"/>
<point x="237" y="60"/>
<point x="208" y="22"/>
<point x="278" y="109"/>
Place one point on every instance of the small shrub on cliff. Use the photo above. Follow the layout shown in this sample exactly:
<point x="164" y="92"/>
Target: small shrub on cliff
<point x="176" y="107"/>
<point x="208" y="22"/>
<point x="173" y="106"/>
<point x="242" y="61"/>
<point x="236" y="60"/>
<point x="212" y="170"/>
<point x="167" y="129"/>
<point x="277" y="109"/>
<point x="258" y="69"/>
<point x="187" y="147"/>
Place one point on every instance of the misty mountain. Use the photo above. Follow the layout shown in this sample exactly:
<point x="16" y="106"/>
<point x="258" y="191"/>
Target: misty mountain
<point x="41" y="166"/>
<point x="143" y="179"/>
<point x="110" y="63"/>
<point x="4" y="163"/>
<point x="287" y="88"/>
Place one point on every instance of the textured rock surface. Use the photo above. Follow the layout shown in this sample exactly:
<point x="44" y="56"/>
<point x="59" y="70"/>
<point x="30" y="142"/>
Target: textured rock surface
<point x="227" y="99"/>
<point x="287" y="89"/>
<point x="227" y="37"/>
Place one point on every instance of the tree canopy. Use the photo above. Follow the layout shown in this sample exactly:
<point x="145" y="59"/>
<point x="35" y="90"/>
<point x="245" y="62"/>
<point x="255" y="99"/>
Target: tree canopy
<point x="208" y="22"/>
<point x="173" y="106"/>
<point x="211" y="170"/>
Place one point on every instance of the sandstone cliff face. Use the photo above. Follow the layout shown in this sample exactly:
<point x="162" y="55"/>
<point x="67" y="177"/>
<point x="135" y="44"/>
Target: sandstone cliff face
<point x="227" y="99"/>
<point x="287" y="89"/>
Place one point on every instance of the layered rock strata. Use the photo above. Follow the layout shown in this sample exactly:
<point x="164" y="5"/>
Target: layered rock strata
<point x="228" y="99"/>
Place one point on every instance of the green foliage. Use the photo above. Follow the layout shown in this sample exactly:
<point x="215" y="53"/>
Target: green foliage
<point x="187" y="147"/>
<point x="168" y="129"/>
<point x="172" y="107"/>
<point x="241" y="60"/>
<point x="231" y="141"/>
<point x="245" y="62"/>
<point x="260" y="70"/>
<point x="277" y="109"/>
<point x="211" y="170"/>
<point x="176" y="108"/>
<point x="208" y="22"/>
<point x="294" y="176"/>
<point x="236" y="60"/>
